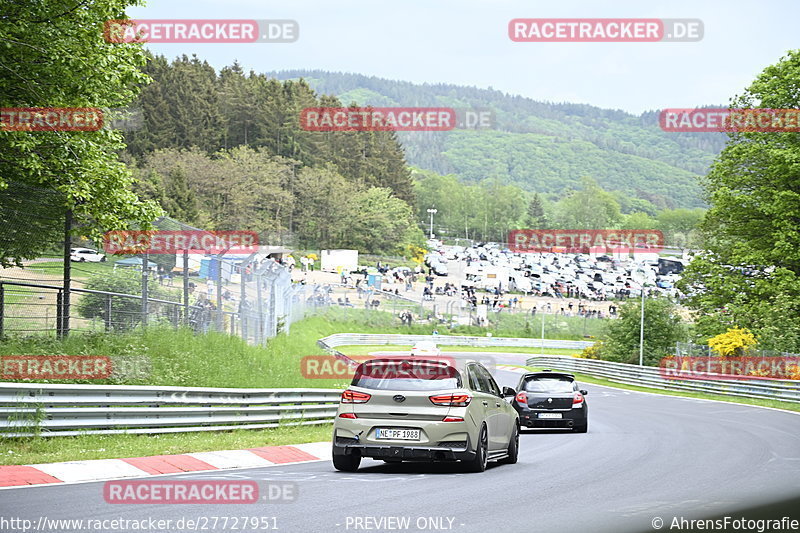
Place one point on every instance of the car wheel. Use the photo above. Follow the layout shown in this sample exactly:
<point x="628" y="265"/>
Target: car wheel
<point x="83" y="259"/>
<point x="583" y="428"/>
<point x="479" y="462"/>
<point x="513" y="447"/>
<point x="347" y="463"/>
<point x="103" y="259"/>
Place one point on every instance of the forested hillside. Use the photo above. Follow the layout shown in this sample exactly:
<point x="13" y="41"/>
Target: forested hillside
<point x="541" y="147"/>
<point x="225" y="151"/>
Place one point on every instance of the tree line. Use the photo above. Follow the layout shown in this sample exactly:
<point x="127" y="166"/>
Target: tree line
<point x="489" y="209"/>
<point x="226" y="151"/>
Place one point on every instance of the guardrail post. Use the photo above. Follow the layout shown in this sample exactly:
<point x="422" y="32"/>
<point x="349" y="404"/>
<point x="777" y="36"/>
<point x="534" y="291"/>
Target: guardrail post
<point x="2" y="307"/>
<point x="60" y="314"/>
<point x="145" y="279"/>
<point x="108" y="312"/>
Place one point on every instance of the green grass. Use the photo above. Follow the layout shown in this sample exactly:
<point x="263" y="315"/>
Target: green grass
<point x="55" y="449"/>
<point x="366" y="350"/>
<point x="79" y="271"/>
<point x="777" y="404"/>
<point x="181" y="358"/>
<point x="501" y="324"/>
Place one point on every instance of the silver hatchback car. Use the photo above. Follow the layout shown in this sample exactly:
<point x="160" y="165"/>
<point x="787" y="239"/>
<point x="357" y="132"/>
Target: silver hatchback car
<point x="425" y="409"/>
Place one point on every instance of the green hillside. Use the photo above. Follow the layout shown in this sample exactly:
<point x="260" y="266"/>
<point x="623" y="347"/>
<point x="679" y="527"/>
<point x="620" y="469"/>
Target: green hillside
<point x="539" y="146"/>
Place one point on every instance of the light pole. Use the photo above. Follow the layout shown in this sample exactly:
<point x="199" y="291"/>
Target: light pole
<point x="542" y="347"/>
<point x="641" y="332"/>
<point x="432" y="212"/>
<point x="641" y="278"/>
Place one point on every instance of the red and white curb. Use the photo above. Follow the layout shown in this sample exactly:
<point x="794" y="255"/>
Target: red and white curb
<point x="105" y="469"/>
<point x="515" y="369"/>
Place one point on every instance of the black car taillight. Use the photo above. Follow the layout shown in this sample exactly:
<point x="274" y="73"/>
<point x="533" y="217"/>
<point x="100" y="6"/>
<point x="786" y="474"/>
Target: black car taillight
<point x="578" y="399"/>
<point x="522" y="398"/>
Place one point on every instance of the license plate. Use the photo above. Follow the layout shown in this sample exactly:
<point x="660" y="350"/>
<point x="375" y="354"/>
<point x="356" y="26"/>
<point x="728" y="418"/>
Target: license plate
<point x="549" y="415"/>
<point x="397" y="434"/>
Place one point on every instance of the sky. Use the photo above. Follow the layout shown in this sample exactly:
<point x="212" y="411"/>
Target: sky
<point x="466" y="42"/>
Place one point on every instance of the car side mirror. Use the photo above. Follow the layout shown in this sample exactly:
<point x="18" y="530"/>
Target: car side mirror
<point x="584" y="392"/>
<point x="508" y="391"/>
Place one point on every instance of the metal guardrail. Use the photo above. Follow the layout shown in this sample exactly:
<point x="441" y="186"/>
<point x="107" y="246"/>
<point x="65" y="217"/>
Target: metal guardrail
<point x="39" y="409"/>
<point x="647" y="376"/>
<point x="349" y="339"/>
<point x="785" y="390"/>
<point x="30" y="409"/>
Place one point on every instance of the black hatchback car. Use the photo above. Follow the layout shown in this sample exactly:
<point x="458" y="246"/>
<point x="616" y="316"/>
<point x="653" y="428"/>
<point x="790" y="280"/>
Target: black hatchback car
<point x="551" y="400"/>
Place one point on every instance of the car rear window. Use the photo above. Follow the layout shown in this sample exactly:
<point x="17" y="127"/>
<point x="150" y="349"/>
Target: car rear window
<point x="549" y="384"/>
<point x="406" y="375"/>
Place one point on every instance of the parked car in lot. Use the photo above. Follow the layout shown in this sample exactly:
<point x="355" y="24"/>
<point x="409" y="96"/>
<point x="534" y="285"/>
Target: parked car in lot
<point x="87" y="255"/>
<point x="431" y="409"/>
<point x="425" y="348"/>
<point x="551" y="400"/>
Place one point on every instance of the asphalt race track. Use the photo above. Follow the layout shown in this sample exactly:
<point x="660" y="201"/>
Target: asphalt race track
<point x="645" y="456"/>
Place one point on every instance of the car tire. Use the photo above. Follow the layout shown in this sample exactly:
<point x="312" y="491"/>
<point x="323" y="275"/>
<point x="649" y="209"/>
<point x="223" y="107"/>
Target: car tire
<point x="513" y="448"/>
<point x="481" y="459"/>
<point x="583" y="428"/>
<point x="103" y="259"/>
<point x="347" y="463"/>
<point x="83" y="260"/>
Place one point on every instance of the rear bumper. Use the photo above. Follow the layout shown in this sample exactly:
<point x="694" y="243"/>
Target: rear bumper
<point x="569" y="419"/>
<point x="405" y="453"/>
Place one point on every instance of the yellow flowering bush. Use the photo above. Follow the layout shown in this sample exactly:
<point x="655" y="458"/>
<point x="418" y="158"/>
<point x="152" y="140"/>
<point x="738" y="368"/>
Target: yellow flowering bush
<point x="734" y="342"/>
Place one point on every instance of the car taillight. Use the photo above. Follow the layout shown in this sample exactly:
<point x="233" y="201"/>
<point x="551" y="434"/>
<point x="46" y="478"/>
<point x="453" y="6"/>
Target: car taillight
<point x="578" y="398"/>
<point x="352" y="416"/>
<point x="522" y="398"/>
<point x="451" y="400"/>
<point x="351" y="396"/>
<point x="452" y="419"/>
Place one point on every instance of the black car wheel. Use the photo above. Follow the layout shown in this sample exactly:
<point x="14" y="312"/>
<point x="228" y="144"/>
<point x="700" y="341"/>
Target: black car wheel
<point x="513" y="447"/>
<point x="481" y="459"/>
<point x="347" y="463"/>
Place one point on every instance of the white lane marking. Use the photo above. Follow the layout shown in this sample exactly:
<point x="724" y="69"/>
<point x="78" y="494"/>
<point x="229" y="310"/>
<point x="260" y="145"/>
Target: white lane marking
<point x="90" y="470"/>
<point x="231" y="459"/>
<point x="321" y="450"/>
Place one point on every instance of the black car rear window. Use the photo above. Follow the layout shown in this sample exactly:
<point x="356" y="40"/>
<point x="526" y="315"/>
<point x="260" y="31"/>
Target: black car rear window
<point x="406" y="375"/>
<point x="549" y="384"/>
